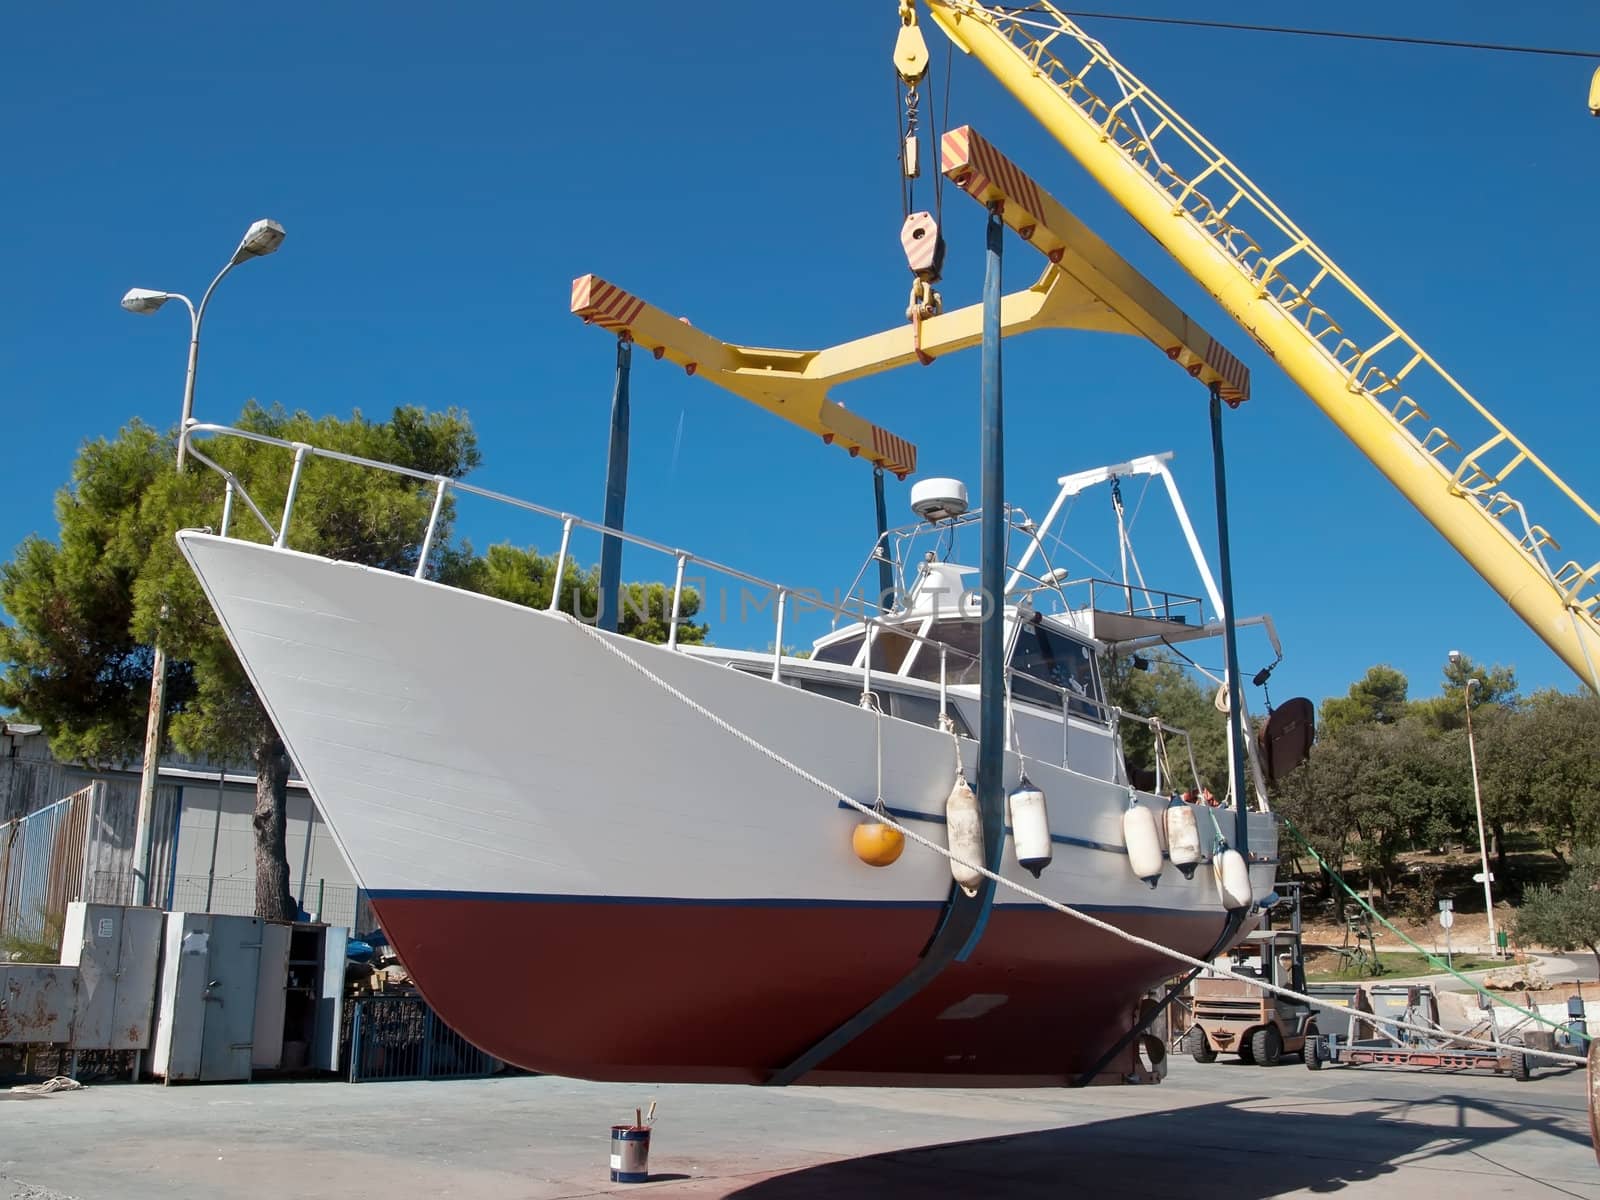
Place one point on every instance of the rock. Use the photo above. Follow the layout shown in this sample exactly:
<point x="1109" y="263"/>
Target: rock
<point x="1524" y="977"/>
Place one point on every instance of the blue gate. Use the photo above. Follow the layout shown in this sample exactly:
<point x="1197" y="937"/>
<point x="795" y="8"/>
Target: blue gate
<point x="399" y="1037"/>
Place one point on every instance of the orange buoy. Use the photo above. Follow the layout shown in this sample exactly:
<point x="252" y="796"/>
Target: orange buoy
<point x="875" y="843"/>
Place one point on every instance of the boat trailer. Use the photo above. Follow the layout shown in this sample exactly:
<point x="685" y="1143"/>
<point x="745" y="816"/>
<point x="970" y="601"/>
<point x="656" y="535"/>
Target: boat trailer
<point x="1439" y="1050"/>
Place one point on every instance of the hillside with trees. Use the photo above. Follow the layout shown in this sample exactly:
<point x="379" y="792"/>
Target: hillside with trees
<point x="1387" y="791"/>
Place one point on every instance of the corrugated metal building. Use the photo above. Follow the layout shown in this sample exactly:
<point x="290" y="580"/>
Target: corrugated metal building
<point x="202" y="851"/>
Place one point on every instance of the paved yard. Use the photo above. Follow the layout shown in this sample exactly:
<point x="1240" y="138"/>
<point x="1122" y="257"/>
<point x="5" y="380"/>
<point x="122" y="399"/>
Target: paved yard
<point x="1224" y="1130"/>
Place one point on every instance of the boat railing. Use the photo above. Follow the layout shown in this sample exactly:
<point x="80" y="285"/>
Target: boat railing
<point x="1070" y="701"/>
<point x="1136" y="600"/>
<point x="896" y="547"/>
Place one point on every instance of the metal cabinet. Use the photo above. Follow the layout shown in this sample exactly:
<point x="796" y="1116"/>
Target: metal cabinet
<point x="36" y="1003"/>
<point x="116" y="950"/>
<point x="205" y="1023"/>
<point x="271" y="996"/>
<point x="299" y="1000"/>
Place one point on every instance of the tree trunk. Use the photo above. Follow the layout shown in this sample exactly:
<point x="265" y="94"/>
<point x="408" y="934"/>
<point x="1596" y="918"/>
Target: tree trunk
<point x="1503" y="876"/>
<point x="273" y="898"/>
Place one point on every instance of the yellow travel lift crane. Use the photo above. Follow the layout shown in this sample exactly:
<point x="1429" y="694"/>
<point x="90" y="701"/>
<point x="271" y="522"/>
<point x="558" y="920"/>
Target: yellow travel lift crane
<point x="1374" y="381"/>
<point x="1448" y="455"/>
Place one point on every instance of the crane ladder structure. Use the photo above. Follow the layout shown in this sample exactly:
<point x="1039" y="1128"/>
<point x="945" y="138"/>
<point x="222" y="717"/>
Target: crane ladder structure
<point x="1366" y="373"/>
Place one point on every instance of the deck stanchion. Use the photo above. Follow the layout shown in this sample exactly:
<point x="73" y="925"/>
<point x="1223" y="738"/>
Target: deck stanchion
<point x="561" y="565"/>
<point x="282" y="539"/>
<point x="1230" y="641"/>
<point x="677" y="602"/>
<point x="777" y="637"/>
<point x="616" y="492"/>
<point x="433" y="527"/>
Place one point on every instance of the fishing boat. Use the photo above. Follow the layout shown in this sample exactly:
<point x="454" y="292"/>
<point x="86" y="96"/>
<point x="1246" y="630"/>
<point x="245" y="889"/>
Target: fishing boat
<point x="616" y="860"/>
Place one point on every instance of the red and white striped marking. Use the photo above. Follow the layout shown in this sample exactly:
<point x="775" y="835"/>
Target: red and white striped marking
<point x="990" y="175"/>
<point x="1235" y="375"/>
<point x="893" y="452"/>
<point x="604" y="304"/>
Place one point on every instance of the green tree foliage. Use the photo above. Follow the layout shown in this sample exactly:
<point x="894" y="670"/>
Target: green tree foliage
<point x="1167" y="691"/>
<point x="86" y="608"/>
<point x="525" y="577"/>
<point x="1377" y="698"/>
<point x="1493" y="688"/>
<point x="1568" y="916"/>
<point x="1377" y="790"/>
<point x="1389" y="774"/>
<point x="1540" y="768"/>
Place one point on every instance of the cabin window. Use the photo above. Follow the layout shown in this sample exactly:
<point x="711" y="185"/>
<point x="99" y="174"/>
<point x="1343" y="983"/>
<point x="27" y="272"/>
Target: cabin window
<point x="1061" y="661"/>
<point x="961" y="663"/>
<point x="889" y="650"/>
<point x="924" y="710"/>
<point x="850" y="693"/>
<point x="844" y="651"/>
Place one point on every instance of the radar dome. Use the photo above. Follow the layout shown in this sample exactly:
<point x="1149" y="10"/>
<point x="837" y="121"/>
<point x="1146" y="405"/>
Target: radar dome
<point x="938" y="499"/>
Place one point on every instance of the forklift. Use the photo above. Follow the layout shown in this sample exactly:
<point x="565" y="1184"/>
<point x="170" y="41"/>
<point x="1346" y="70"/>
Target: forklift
<point x="1232" y="1017"/>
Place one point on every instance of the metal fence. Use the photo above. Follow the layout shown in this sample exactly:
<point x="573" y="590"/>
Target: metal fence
<point x="398" y="1037"/>
<point x="41" y="866"/>
<point x="337" y="904"/>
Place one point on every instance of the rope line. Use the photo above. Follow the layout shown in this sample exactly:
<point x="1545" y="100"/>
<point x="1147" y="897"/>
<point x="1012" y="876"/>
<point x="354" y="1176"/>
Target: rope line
<point x="1019" y="888"/>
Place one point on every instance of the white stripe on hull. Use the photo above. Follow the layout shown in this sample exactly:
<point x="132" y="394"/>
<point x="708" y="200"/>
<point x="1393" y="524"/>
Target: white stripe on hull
<point x="460" y="743"/>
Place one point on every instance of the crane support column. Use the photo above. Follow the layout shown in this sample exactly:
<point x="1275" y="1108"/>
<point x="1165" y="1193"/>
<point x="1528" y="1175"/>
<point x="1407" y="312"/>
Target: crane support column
<point x="962" y="920"/>
<point x="616" y="494"/>
<point x="885" y="568"/>
<point x="992" y="582"/>
<point x="1230" y="639"/>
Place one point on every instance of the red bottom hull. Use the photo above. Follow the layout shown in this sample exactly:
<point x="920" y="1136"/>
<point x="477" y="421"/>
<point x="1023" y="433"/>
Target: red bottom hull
<point x="691" y="992"/>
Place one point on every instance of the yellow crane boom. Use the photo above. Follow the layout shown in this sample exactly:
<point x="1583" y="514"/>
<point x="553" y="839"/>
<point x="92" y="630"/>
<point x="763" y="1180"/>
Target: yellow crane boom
<point x="1354" y="361"/>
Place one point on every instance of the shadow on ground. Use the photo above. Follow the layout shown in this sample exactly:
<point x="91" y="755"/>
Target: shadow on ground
<point x="1226" y="1150"/>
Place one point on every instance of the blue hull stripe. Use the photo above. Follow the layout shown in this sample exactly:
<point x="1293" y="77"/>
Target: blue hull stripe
<point x="754" y="902"/>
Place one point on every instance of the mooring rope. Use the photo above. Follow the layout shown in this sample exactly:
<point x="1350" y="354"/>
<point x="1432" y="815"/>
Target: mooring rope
<point x="1023" y="889"/>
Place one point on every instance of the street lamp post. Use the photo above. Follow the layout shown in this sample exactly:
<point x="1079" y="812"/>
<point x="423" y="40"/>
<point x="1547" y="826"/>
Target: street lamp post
<point x="261" y="239"/>
<point x="1477" y="800"/>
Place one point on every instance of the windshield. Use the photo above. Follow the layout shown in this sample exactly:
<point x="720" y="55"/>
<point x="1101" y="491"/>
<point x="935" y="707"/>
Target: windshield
<point x="1060" y="661"/>
<point x="961" y="663"/>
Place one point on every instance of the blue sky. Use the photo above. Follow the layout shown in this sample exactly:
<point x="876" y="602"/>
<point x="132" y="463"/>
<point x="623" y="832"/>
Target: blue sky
<point x="444" y="175"/>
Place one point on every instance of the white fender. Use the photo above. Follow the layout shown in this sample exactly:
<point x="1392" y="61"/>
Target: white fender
<point x="1183" y="837"/>
<point x="1143" y="842"/>
<point x="964" y="834"/>
<point x="1030" y="827"/>
<point x="1233" y="879"/>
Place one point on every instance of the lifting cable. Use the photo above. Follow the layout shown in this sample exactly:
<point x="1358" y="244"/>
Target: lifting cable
<point x="920" y="235"/>
<point x="1348" y="35"/>
<point x="1022" y="889"/>
<point x="1433" y="959"/>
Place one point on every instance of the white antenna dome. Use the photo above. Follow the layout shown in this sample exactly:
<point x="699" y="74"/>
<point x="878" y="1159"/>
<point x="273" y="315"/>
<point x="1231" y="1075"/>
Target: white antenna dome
<point x="937" y="500"/>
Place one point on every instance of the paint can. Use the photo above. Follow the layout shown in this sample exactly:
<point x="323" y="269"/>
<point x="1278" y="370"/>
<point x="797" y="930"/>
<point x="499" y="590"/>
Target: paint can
<point x="630" y="1153"/>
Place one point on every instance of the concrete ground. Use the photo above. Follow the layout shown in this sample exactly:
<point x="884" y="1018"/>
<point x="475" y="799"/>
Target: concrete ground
<point x="1224" y="1130"/>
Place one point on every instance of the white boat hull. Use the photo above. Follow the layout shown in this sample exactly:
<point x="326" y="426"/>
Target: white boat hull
<point x="587" y="876"/>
